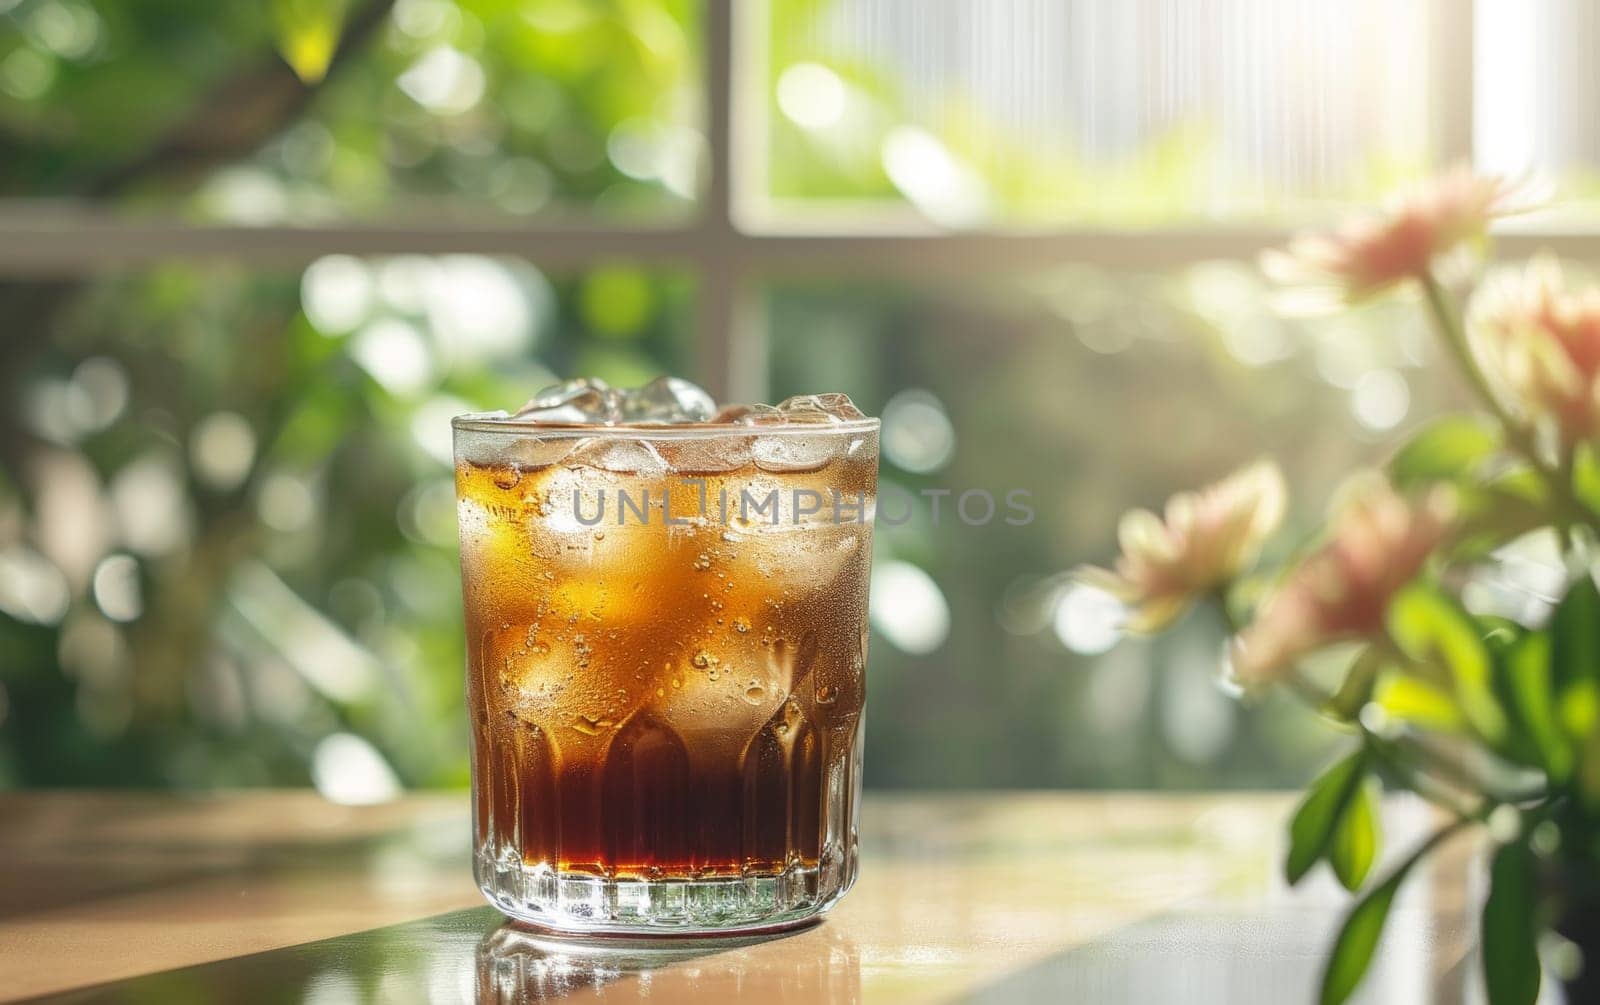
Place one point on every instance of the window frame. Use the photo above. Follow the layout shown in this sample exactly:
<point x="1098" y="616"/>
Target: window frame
<point x="727" y="250"/>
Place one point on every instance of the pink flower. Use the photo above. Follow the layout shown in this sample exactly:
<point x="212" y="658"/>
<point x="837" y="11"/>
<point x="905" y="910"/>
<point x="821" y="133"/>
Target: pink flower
<point x="1377" y="543"/>
<point x="1371" y="255"/>
<point x="1540" y="343"/>
<point x="1207" y="539"/>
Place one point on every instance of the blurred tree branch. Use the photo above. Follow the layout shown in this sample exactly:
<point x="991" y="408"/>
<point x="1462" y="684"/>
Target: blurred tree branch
<point x="233" y="121"/>
<point x="240" y="115"/>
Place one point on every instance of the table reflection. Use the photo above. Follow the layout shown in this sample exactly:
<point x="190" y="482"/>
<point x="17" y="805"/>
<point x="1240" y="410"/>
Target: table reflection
<point x="516" y="964"/>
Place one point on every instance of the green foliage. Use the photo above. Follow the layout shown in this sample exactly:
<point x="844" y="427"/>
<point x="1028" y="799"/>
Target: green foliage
<point x="1335" y="795"/>
<point x="616" y="300"/>
<point x="337" y="537"/>
<point x="1499" y="501"/>
<point x="1586" y="476"/>
<point x="1363" y="926"/>
<point x="478" y="107"/>
<point x="307" y="34"/>
<point x="341" y="519"/>
<point x="1417" y="702"/>
<point x="1432" y="629"/>
<point x="1499" y="509"/>
<point x="1524" y="676"/>
<point x="1575" y="635"/>
<point x="1575" y="676"/>
<point x="1358" y="684"/>
<point x="1511" y="926"/>
<point x="1450" y="449"/>
<point x="1356" y="837"/>
<point x="1357" y="941"/>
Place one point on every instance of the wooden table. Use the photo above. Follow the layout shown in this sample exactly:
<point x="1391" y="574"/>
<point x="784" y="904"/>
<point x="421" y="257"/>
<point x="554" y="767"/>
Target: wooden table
<point x="280" y="896"/>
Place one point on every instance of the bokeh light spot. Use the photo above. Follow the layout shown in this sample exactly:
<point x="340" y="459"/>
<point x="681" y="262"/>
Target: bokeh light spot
<point x="116" y="588"/>
<point x="395" y="354"/>
<point x="1380" y="399"/>
<point x="347" y="769"/>
<point x="908" y="608"/>
<point x="222" y="448"/>
<point x="337" y="294"/>
<point x="812" y="95"/>
<point x="1088" y="620"/>
<point x="917" y="434"/>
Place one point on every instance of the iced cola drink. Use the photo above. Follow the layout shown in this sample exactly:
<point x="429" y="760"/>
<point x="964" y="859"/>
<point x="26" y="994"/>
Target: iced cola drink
<point x="666" y="611"/>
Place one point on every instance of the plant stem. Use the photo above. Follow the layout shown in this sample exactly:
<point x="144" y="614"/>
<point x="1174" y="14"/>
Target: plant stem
<point x="1219" y="596"/>
<point x="1558" y="476"/>
<point x="1453" y="334"/>
<point x="1416" y="779"/>
<point x="1308" y="689"/>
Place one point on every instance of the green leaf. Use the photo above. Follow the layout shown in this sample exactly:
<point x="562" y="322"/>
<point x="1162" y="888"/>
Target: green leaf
<point x="1355" y="837"/>
<point x="1578" y="709"/>
<point x="1449" y="449"/>
<point x="1312" y="827"/>
<point x="1575" y="679"/>
<point x="1432" y="628"/>
<point x="1524" y="671"/>
<point x="1521" y="483"/>
<point x="1508" y="505"/>
<point x="1358" y="937"/>
<point x="1352" y="951"/>
<point x="1586" y="476"/>
<point x="1588" y="771"/>
<point x="1408" y="699"/>
<point x="307" y="33"/>
<point x="1511" y="926"/>
<point x="1499" y="633"/>
<point x="1575" y="634"/>
<point x="1357" y="687"/>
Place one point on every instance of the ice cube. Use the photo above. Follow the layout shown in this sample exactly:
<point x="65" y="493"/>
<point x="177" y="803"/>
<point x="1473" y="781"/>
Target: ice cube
<point x="535" y="454"/>
<point x="667" y="399"/>
<point x="749" y="415"/>
<point x="819" y="408"/>
<point x="586" y="399"/>
<point x="664" y="400"/>
<point x="710" y="455"/>
<point x="672" y="400"/>
<point x="618" y="455"/>
<point x="718" y="695"/>
<point x="791" y="451"/>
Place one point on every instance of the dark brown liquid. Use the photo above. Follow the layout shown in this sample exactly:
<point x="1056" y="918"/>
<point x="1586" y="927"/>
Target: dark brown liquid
<point x="662" y="702"/>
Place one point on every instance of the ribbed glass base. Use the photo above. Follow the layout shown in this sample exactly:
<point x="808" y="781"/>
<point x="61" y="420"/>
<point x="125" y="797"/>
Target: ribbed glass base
<point x="582" y="904"/>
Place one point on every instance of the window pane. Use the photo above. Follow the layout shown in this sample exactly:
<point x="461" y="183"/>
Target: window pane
<point x="1104" y="111"/>
<point x="1537" y="95"/>
<point x="482" y="108"/>
<point x="227" y="511"/>
<point x="1094" y="393"/>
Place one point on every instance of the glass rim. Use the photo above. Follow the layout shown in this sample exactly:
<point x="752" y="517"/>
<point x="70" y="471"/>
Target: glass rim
<point x="503" y="423"/>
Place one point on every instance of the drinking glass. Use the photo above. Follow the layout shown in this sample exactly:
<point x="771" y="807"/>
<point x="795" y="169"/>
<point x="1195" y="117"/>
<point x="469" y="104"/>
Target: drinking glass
<point x="666" y="647"/>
